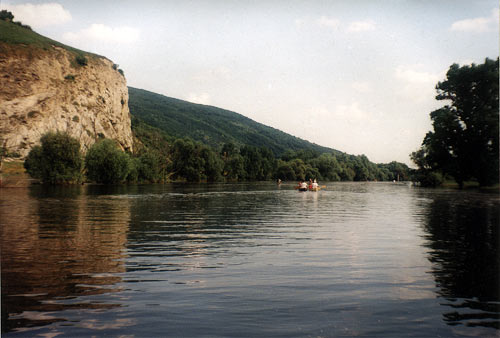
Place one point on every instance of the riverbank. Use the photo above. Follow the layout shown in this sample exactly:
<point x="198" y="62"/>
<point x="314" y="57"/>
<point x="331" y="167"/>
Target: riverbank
<point x="13" y="174"/>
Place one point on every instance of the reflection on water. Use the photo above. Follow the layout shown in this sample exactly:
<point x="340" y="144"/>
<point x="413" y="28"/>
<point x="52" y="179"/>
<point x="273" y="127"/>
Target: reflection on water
<point x="462" y="233"/>
<point x="59" y="249"/>
<point x="249" y="260"/>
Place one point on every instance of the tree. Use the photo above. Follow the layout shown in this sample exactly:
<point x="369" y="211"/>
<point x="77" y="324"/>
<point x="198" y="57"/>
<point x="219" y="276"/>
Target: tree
<point x="107" y="163"/>
<point x="150" y="167"/>
<point x="464" y="142"/>
<point x="57" y="160"/>
<point x="6" y="15"/>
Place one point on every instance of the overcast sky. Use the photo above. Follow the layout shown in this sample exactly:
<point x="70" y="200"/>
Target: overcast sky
<point x="357" y="76"/>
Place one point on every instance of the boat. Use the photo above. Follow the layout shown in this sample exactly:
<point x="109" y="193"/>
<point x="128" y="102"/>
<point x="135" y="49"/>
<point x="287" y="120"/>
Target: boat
<point x="318" y="188"/>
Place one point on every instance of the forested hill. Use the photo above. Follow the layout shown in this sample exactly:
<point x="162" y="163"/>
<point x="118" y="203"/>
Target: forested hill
<point x="211" y="125"/>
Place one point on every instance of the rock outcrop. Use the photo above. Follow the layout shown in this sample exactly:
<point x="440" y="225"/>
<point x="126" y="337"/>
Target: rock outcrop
<point x="47" y="89"/>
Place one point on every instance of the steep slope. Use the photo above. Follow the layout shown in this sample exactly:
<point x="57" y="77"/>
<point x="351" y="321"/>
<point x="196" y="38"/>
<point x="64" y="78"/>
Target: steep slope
<point x="47" y="86"/>
<point x="210" y="125"/>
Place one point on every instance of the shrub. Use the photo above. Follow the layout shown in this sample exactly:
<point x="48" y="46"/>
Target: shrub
<point x="106" y="163"/>
<point x="430" y="178"/>
<point x="81" y="60"/>
<point x="150" y="167"/>
<point x="6" y="15"/>
<point x="58" y="159"/>
<point x="70" y="77"/>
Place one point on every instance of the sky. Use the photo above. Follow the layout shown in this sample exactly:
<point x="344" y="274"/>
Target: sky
<point x="357" y="76"/>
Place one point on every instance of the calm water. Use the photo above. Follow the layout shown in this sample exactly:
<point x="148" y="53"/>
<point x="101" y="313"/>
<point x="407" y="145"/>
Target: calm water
<point x="364" y="259"/>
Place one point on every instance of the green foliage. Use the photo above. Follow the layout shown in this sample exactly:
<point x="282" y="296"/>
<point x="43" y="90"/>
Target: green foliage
<point x="58" y="159"/>
<point x="150" y="138"/>
<point x="464" y="142"/>
<point x="81" y="60"/>
<point x="70" y="77"/>
<point x="429" y="178"/>
<point x="107" y="163"/>
<point x="210" y="125"/>
<point x="194" y="162"/>
<point x="14" y="33"/>
<point x="33" y="162"/>
<point x="151" y="167"/>
<point x="6" y="15"/>
<point x="9" y="17"/>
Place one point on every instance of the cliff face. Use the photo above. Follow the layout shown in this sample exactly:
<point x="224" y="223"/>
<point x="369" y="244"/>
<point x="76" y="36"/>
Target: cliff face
<point x="46" y="90"/>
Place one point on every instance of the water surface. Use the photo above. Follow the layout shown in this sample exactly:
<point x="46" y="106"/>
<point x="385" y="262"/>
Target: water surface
<point x="355" y="259"/>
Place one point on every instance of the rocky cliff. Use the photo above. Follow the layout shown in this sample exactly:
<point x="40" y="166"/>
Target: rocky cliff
<point x="55" y="89"/>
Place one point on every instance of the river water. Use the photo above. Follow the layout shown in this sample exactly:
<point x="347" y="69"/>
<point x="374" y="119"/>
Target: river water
<point x="249" y="260"/>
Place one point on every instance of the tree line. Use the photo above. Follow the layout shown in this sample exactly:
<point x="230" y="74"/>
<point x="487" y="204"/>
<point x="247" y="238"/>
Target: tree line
<point x="463" y="146"/>
<point x="58" y="160"/>
<point x="464" y="143"/>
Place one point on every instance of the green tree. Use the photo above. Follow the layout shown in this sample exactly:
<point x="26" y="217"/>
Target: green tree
<point x="464" y="142"/>
<point x="150" y="167"/>
<point x="107" y="163"/>
<point x="285" y="171"/>
<point x="212" y="164"/>
<point x="6" y="15"/>
<point x="57" y="160"/>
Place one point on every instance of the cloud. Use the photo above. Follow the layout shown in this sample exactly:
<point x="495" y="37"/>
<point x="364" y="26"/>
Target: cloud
<point x="203" y="98"/>
<point x="41" y="15"/>
<point x="477" y="25"/>
<point x="361" y="26"/>
<point x="328" y="22"/>
<point x="412" y="75"/>
<point x="221" y="73"/>
<point x="300" y="22"/>
<point x="362" y="87"/>
<point x="416" y="84"/>
<point x="351" y="113"/>
<point x="103" y="33"/>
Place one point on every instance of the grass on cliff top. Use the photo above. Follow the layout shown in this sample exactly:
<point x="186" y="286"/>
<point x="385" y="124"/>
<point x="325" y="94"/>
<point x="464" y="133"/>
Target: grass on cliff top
<point x="14" y="34"/>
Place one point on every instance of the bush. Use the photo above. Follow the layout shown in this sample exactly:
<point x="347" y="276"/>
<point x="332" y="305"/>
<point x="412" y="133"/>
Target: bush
<point x="430" y="178"/>
<point x="150" y="167"/>
<point x="6" y="15"/>
<point x="106" y="163"/>
<point x="81" y="60"/>
<point x="58" y="159"/>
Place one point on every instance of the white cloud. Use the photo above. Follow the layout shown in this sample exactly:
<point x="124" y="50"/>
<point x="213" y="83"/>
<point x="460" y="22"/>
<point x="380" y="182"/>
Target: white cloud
<point x="413" y="74"/>
<point x="41" y="15"/>
<point x="203" y="98"/>
<point x="221" y="73"/>
<point x="300" y="22"/>
<point x="362" y="87"/>
<point x="328" y="22"/>
<point x="361" y="26"/>
<point x="351" y="113"/>
<point x="416" y="85"/>
<point x="103" y="33"/>
<point x="477" y="25"/>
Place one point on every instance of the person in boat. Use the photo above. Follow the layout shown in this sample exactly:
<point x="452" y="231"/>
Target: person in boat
<point x="278" y="181"/>
<point x="314" y="185"/>
<point x="302" y="186"/>
<point x="310" y="183"/>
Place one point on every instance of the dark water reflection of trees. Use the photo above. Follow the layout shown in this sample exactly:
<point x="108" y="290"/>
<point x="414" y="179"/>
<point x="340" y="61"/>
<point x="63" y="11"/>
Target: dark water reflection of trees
<point x="462" y="232"/>
<point x="56" y="248"/>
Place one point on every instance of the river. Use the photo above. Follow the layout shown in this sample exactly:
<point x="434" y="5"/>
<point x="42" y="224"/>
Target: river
<point x="249" y="260"/>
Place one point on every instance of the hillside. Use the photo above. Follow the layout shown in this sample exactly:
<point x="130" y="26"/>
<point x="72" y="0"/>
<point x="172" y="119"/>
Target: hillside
<point x="210" y="125"/>
<point x="48" y="86"/>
